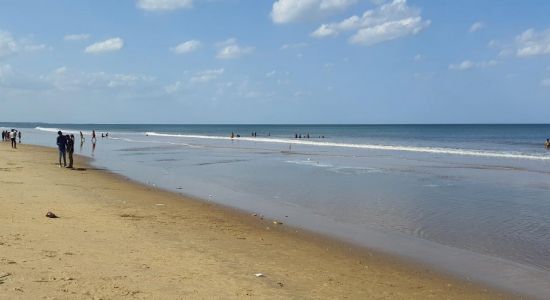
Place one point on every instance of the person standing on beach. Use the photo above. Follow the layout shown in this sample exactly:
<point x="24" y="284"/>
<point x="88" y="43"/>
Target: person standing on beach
<point x="13" y="136"/>
<point x="19" y="135"/>
<point x="70" y="149"/>
<point x="81" y="137"/>
<point x="62" y="146"/>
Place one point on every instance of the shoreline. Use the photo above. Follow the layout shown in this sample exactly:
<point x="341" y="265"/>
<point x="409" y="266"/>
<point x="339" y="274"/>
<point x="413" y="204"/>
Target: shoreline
<point x="199" y="243"/>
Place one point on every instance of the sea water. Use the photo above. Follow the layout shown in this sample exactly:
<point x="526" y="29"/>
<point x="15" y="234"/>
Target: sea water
<point x="470" y="199"/>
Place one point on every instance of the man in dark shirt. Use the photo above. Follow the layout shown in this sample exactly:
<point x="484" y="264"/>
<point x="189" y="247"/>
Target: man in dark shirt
<point x="70" y="149"/>
<point x="62" y="146"/>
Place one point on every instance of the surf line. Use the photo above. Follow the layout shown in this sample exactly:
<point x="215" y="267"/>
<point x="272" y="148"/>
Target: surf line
<point x="448" y="151"/>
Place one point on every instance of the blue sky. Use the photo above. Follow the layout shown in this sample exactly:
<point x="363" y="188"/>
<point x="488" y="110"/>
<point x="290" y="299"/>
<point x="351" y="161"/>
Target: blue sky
<point x="275" y="61"/>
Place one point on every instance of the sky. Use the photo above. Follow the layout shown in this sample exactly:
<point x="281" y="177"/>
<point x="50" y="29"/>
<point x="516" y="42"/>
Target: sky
<point x="275" y="61"/>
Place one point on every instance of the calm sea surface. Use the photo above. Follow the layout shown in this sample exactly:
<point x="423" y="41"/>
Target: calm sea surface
<point x="470" y="199"/>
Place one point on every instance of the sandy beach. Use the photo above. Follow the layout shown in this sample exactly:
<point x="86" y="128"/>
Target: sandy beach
<point x="118" y="239"/>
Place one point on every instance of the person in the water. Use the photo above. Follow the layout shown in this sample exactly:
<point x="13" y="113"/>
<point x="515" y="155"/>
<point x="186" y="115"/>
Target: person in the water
<point x="547" y="144"/>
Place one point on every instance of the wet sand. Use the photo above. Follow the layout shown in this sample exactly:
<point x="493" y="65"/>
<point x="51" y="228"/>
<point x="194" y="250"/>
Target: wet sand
<point x="118" y="239"/>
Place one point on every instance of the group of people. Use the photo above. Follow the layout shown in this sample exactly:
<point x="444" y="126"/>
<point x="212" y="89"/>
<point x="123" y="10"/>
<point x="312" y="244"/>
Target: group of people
<point x="306" y="136"/>
<point x="11" y="136"/>
<point x="65" y="144"/>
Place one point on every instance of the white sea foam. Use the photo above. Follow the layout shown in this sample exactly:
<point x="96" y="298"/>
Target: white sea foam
<point x="55" y="130"/>
<point x="417" y="149"/>
<point x="309" y="163"/>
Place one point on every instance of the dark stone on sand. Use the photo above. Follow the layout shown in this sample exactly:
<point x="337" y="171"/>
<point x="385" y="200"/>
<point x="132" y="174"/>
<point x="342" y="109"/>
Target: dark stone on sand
<point x="51" y="215"/>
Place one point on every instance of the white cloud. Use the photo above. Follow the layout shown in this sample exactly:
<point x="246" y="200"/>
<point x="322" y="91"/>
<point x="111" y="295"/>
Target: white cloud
<point x="286" y="11"/>
<point x="206" y="75"/>
<point x="174" y="87"/>
<point x="325" y="30"/>
<point x="193" y="82"/>
<point x="532" y="43"/>
<point x="465" y="65"/>
<point x="6" y="73"/>
<point x="77" y="37"/>
<point x="418" y="57"/>
<point x="12" y="79"/>
<point x="270" y="74"/>
<point x="9" y="45"/>
<point x="545" y="82"/>
<point x="186" y="47"/>
<point x="387" y="22"/>
<point x="477" y="26"/>
<point x="109" y="45"/>
<point x="230" y="49"/>
<point x="468" y="64"/>
<point x="163" y="5"/>
<point x="65" y="79"/>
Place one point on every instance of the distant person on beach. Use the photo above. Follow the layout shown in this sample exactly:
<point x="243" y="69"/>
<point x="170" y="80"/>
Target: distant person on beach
<point x="62" y="146"/>
<point x="81" y="137"/>
<point x="19" y="135"/>
<point x="94" y="139"/>
<point x="70" y="149"/>
<point x="13" y="136"/>
<point x="547" y="144"/>
<point x="232" y="135"/>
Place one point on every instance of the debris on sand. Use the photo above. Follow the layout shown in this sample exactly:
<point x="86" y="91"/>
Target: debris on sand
<point x="51" y="215"/>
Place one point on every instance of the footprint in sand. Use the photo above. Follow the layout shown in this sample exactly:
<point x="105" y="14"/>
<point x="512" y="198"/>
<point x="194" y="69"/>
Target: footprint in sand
<point x="4" y="277"/>
<point x="49" y="253"/>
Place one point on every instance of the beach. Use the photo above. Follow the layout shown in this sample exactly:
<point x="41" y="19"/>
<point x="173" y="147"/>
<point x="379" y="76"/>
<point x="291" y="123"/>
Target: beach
<point x="118" y="239"/>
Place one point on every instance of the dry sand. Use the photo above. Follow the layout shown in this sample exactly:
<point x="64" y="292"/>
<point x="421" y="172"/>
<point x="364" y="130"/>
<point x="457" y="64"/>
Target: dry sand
<point x="116" y="239"/>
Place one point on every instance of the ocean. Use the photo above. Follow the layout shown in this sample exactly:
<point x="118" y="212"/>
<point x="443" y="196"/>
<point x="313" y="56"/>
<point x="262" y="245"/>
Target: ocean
<point x="472" y="200"/>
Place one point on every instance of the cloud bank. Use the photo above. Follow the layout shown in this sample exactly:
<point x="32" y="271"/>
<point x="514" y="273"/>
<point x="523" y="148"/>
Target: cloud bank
<point x="533" y="43"/>
<point x="384" y="23"/>
<point x="287" y="11"/>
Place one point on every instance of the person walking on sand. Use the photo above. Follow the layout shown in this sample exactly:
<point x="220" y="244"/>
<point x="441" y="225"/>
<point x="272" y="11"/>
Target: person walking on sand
<point x="70" y="149"/>
<point x="62" y="146"/>
<point x="13" y="136"/>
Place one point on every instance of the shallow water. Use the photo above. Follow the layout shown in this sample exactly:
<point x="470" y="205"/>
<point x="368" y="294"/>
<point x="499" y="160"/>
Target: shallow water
<point x="473" y="199"/>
